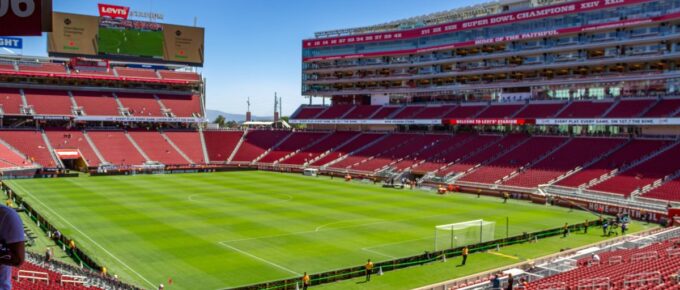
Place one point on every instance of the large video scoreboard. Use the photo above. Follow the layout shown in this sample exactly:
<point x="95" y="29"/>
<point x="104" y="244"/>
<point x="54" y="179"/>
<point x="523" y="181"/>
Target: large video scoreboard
<point x="123" y="39"/>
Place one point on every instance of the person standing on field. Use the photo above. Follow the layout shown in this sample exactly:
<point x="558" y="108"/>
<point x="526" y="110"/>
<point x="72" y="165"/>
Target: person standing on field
<point x="369" y="269"/>
<point x="305" y="281"/>
<point x="465" y="255"/>
<point x="565" y="230"/>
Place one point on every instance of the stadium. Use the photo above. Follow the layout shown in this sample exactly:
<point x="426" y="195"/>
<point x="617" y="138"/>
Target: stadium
<point x="511" y="144"/>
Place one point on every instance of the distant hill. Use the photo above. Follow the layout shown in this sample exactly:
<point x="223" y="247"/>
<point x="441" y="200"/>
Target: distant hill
<point x="212" y="114"/>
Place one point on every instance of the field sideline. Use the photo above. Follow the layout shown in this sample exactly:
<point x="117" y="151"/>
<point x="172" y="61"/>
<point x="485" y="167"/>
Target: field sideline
<point x="238" y="228"/>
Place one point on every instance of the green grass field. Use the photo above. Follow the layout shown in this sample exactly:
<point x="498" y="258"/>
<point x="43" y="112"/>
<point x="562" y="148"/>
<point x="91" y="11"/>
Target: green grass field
<point x="220" y="230"/>
<point x="130" y="42"/>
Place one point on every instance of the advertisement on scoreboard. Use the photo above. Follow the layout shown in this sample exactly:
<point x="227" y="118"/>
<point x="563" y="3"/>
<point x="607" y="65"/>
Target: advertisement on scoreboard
<point x="113" y="36"/>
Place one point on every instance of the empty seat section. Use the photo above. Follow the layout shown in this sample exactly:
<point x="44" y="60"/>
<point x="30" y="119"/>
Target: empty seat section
<point x="478" y="151"/>
<point x="32" y="144"/>
<point x="116" y="148"/>
<point x="434" y="112"/>
<point x="10" y="101"/>
<point x="53" y="283"/>
<point x="664" y="108"/>
<point x="49" y="102"/>
<point x="630" y="108"/>
<point x="408" y="112"/>
<point x="668" y="191"/>
<point x="385" y="112"/>
<point x="585" y="109"/>
<point x="335" y="112"/>
<point x="297" y="140"/>
<point x="96" y="103"/>
<point x="442" y="153"/>
<point x="647" y="267"/>
<point x="46" y="68"/>
<point x="462" y="112"/>
<point x="389" y="143"/>
<point x="136" y="73"/>
<point x="73" y="139"/>
<point x="361" y="112"/>
<point x="540" y="110"/>
<point x="440" y="144"/>
<point x="643" y="174"/>
<point x="577" y="152"/>
<point x="221" y="144"/>
<point x="308" y="112"/>
<point x="140" y="105"/>
<point x="334" y="140"/>
<point x="511" y="161"/>
<point x="190" y="144"/>
<point x="182" y="105"/>
<point x="157" y="148"/>
<point x="361" y="141"/>
<point x="256" y="143"/>
<point x="632" y="151"/>
<point x="414" y="144"/>
<point x="179" y="76"/>
<point x="11" y="158"/>
<point x="6" y="67"/>
<point x="500" y="111"/>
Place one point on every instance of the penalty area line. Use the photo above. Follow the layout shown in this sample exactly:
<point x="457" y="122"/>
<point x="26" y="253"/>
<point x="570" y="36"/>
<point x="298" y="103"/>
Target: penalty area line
<point x="259" y="259"/>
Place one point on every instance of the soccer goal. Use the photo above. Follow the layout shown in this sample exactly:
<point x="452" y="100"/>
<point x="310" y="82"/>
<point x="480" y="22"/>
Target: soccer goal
<point x="463" y="234"/>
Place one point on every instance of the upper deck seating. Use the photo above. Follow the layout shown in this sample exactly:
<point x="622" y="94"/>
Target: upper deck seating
<point x="182" y="105"/>
<point x="10" y="101"/>
<point x="664" y="108"/>
<point x="140" y="105"/>
<point x="49" y="102"/>
<point x="96" y="103"/>
<point x="585" y="109"/>
<point x="500" y="111"/>
<point x="540" y="110"/>
<point x="630" y="108"/>
<point x="361" y="112"/>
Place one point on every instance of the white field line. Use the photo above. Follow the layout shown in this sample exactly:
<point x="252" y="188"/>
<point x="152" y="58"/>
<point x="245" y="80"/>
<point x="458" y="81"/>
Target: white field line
<point x="333" y="229"/>
<point x="378" y="253"/>
<point x="259" y="259"/>
<point x="84" y="234"/>
<point x="341" y="222"/>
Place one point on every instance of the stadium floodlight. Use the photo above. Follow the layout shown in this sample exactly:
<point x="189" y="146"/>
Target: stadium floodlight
<point x="462" y="234"/>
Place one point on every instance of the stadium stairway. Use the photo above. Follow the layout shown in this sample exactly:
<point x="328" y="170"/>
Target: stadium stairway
<point x="155" y="147"/>
<point x="222" y="145"/>
<point x="291" y="144"/>
<point x="363" y="141"/>
<point x="32" y="144"/>
<point x="331" y="145"/>
<point x="470" y="161"/>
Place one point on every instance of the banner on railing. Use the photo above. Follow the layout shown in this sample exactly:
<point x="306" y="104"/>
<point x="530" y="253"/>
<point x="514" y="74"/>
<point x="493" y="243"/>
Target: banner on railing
<point x="610" y="122"/>
<point x="140" y="119"/>
<point x="368" y="122"/>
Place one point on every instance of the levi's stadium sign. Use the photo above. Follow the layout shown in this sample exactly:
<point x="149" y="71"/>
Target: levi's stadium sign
<point x="25" y="17"/>
<point x="113" y="11"/>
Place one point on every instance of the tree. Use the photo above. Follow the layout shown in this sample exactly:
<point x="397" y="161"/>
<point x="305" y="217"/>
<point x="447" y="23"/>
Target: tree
<point x="220" y="121"/>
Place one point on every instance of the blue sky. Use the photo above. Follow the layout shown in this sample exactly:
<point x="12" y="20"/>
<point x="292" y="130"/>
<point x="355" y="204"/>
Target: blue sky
<point x="253" y="47"/>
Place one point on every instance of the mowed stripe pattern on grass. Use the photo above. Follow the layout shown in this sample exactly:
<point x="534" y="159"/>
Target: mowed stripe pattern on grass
<point x="238" y="228"/>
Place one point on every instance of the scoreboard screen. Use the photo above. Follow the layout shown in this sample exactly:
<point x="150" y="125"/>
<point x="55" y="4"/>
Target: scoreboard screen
<point x="122" y="39"/>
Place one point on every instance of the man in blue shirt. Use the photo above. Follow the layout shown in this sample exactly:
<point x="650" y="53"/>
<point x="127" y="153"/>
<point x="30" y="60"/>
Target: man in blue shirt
<point x="11" y="245"/>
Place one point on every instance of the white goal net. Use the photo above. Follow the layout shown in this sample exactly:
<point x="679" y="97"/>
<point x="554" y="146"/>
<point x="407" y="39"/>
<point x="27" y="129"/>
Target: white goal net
<point x="463" y="234"/>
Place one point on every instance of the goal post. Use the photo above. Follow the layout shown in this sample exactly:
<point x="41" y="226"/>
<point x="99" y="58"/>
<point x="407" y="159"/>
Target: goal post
<point x="462" y="234"/>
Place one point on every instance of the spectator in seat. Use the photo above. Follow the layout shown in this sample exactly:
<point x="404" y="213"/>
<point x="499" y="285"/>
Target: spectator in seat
<point x="495" y="282"/>
<point x="12" y="251"/>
